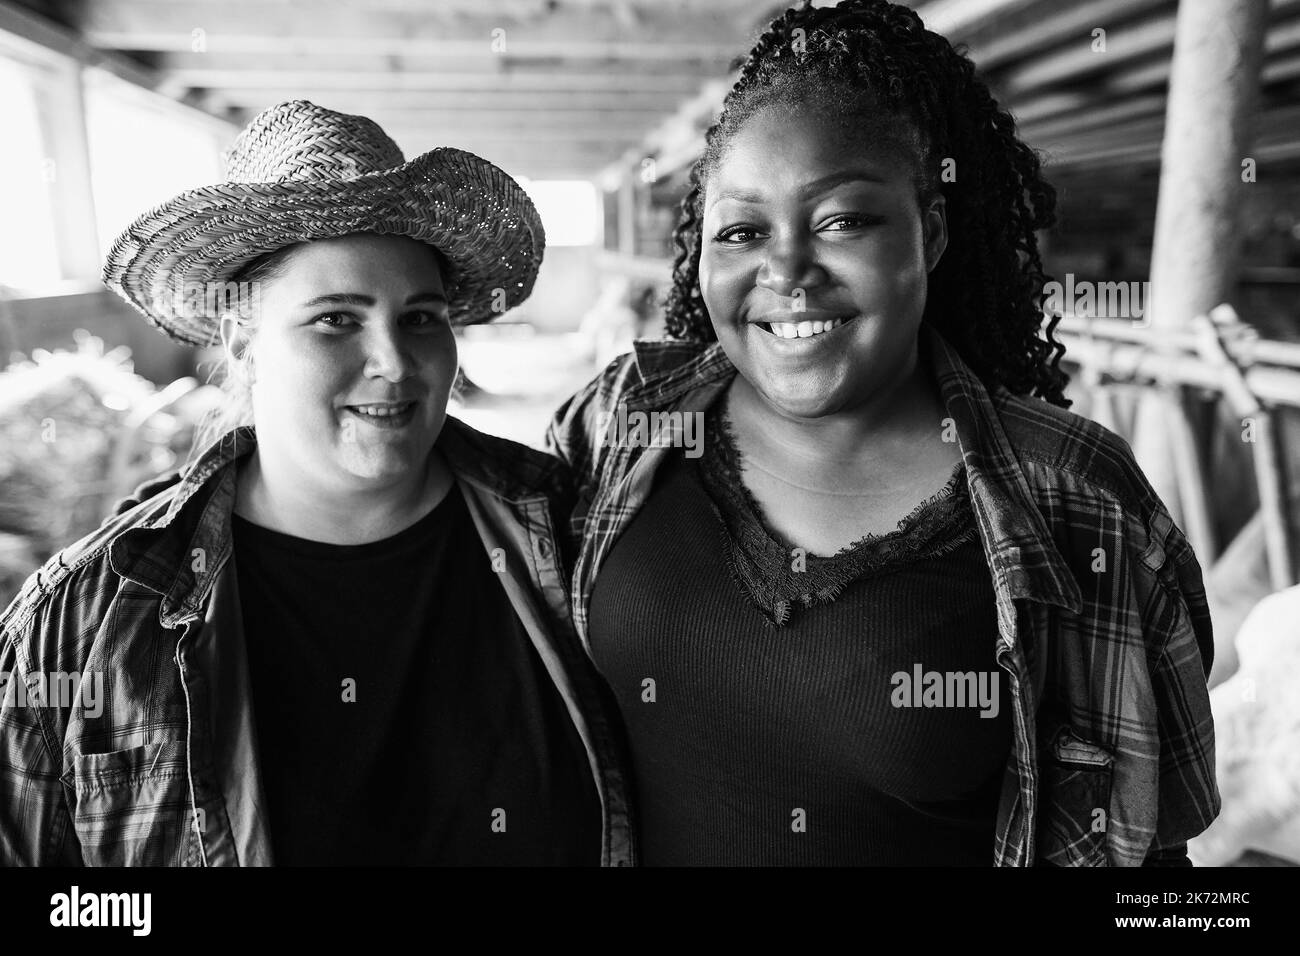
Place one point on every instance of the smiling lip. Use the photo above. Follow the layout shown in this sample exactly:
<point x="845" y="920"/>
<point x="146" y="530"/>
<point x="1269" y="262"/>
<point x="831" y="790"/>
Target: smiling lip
<point x="384" y="414"/>
<point x="801" y="326"/>
<point x="788" y="315"/>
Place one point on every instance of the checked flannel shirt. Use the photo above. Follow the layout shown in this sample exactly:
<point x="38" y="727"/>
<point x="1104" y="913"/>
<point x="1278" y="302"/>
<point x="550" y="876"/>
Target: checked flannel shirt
<point x="1113" y="754"/>
<point x="163" y="769"/>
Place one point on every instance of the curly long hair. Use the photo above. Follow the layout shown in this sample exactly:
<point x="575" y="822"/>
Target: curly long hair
<point x="863" y="57"/>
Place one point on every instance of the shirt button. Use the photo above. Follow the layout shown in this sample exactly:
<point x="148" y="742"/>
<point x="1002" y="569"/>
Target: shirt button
<point x="544" y="548"/>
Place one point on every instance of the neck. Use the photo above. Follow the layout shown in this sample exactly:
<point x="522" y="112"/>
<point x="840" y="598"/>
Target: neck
<point x="272" y="495"/>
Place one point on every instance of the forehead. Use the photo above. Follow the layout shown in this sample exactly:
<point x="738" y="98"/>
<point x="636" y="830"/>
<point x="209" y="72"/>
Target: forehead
<point x="361" y="250"/>
<point x="781" y="147"/>
<point x="382" y="261"/>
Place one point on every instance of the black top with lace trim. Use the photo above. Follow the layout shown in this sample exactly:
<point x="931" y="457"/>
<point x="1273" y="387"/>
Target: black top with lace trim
<point x="733" y="722"/>
<point x="778" y="579"/>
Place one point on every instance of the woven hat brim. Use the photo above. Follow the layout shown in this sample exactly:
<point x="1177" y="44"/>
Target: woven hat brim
<point x="479" y="218"/>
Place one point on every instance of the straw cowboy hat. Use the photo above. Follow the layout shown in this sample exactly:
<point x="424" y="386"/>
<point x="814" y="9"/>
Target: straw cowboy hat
<point x="301" y="172"/>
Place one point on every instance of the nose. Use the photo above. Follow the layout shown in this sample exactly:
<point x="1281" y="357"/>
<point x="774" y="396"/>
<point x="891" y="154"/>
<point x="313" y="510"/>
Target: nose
<point x="789" y="265"/>
<point x="388" y="354"/>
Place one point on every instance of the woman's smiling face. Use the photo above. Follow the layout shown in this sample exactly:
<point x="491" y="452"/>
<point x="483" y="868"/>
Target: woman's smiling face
<point x="353" y="361"/>
<point x="809" y="221"/>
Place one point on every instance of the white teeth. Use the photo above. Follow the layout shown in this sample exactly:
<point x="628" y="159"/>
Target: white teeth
<point x="381" y="411"/>
<point x="803" y="330"/>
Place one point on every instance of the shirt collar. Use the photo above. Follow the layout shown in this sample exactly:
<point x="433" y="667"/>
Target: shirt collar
<point x="1016" y="535"/>
<point x="176" y="549"/>
<point x="1021" y="550"/>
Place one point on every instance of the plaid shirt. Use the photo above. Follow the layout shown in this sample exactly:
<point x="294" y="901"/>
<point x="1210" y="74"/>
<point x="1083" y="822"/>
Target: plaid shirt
<point x="1103" y="624"/>
<point x="141" y="751"/>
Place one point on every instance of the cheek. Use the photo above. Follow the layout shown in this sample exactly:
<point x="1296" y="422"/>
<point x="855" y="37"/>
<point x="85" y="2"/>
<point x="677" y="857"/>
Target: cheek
<point x="905" y="253"/>
<point x="304" y="373"/>
<point x="889" y="271"/>
<point x="439" y="361"/>
<point x="722" y="286"/>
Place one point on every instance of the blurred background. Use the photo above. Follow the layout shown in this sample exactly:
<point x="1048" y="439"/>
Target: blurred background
<point x="599" y="107"/>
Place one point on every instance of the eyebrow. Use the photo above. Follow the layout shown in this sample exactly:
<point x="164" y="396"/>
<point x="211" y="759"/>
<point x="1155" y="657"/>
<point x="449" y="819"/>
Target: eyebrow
<point x="355" y="298"/>
<point x="821" y="185"/>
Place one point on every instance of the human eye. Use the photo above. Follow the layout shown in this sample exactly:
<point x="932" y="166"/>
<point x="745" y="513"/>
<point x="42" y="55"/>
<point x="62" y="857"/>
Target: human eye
<point x="427" y="318"/>
<point x="736" y="235"/>
<point x="334" y="320"/>
<point x="849" y="222"/>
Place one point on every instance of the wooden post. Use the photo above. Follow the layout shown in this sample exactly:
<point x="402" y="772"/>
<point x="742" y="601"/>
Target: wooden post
<point x="1194" y="261"/>
<point x="1273" y="503"/>
<point x="1213" y="88"/>
<point x="1191" y="477"/>
<point x="64" y="126"/>
<point x="627" y="214"/>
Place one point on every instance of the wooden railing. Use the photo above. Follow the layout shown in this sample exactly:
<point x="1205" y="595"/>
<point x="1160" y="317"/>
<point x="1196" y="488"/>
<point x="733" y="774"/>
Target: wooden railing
<point x="1219" y="354"/>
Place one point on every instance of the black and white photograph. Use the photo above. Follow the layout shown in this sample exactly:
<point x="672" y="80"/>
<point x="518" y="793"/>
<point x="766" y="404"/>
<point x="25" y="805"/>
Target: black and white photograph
<point x="694" y="434"/>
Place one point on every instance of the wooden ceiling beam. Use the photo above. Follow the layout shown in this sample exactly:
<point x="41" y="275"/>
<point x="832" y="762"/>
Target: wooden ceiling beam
<point x="115" y="22"/>
<point x="1036" y="31"/>
<point x="1095" y="114"/>
<point x="480" y="135"/>
<point x="483" y="63"/>
<point x="524" y="48"/>
<point x="179" y="80"/>
<point x="954" y="18"/>
<point x="529" y="120"/>
<point x="1151" y="41"/>
<point x="1037" y="108"/>
<point x="1280" y="69"/>
<point x="1008" y="41"/>
<point x="348" y="101"/>
<point x="534" y="164"/>
<point x="1143" y="137"/>
<point x="1079" y="59"/>
<point x="1280" y="39"/>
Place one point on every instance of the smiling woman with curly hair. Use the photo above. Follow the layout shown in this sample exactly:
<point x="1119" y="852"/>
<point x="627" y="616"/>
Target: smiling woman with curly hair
<point x="904" y="608"/>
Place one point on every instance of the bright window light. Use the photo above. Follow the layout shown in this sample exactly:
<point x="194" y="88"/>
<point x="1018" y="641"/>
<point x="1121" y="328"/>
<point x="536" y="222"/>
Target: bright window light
<point x="142" y="152"/>
<point x="570" y="210"/>
<point x="28" y="253"/>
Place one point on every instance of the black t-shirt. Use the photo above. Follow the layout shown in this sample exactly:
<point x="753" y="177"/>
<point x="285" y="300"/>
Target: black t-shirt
<point x="788" y="745"/>
<point x="402" y="713"/>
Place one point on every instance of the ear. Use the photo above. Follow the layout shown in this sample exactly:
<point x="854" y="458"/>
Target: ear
<point x="934" y="225"/>
<point x="236" y="340"/>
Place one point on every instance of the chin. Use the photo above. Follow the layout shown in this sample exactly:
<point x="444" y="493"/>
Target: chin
<point x="381" y="464"/>
<point x="378" y="475"/>
<point x="799" y="399"/>
<point x="808" y="408"/>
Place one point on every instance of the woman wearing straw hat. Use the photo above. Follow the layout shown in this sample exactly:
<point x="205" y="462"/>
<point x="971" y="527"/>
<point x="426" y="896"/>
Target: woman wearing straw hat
<point x="342" y="636"/>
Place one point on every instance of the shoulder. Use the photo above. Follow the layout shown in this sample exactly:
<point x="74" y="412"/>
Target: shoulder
<point x="509" y="468"/>
<point x="657" y="371"/>
<point x="65" y="601"/>
<point x="651" y="365"/>
<point x="608" y="385"/>
<point x="1055" y="443"/>
<point x="1092" y="492"/>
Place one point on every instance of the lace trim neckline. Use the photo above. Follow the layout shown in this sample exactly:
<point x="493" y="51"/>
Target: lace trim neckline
<point x="776" y="578"/>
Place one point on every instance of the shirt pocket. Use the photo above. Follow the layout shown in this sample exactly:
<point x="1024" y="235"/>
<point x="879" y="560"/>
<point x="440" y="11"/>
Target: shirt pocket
<point x="132" y="807"/>
<point x="1076" y="778"/>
